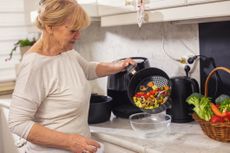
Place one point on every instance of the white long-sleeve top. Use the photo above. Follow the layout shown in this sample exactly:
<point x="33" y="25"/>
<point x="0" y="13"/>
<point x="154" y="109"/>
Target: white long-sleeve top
<point x="52" y="91"/>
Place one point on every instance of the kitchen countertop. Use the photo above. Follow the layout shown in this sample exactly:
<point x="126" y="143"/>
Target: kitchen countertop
<point x="181" y="138"/>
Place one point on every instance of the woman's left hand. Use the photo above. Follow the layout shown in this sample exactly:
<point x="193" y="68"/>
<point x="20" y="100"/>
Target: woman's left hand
<point x="104" y="69"/>
<point x="122" y="64"/>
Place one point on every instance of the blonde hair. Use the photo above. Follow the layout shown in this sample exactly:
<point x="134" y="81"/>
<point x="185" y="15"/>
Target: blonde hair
<point x="56" y="12"/>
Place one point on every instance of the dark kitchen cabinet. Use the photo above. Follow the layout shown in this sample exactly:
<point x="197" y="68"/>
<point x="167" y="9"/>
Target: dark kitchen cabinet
<point x="215" y="44"/>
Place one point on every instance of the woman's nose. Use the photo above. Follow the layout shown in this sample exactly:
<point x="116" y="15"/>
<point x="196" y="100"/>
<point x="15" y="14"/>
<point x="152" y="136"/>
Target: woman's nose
<point x="76" y="35"/>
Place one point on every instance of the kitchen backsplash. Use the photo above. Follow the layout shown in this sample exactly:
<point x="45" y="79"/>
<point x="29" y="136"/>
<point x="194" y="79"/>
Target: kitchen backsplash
<point x="112" y="43"/>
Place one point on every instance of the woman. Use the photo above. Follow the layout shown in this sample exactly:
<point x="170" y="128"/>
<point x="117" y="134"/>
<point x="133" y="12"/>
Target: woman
<point x="51" y="99"/>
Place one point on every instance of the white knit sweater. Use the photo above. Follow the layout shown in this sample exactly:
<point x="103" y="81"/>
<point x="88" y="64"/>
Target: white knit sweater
<point x="53" y="91"/>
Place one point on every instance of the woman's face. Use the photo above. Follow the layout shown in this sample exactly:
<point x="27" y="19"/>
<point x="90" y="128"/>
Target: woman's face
<point x="65" y="37"/>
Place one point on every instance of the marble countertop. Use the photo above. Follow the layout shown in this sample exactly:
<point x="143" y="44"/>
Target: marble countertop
<point x="181" y="138"/>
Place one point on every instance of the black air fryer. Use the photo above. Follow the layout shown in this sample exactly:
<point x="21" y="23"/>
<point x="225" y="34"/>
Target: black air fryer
<point x="117" y="89"/>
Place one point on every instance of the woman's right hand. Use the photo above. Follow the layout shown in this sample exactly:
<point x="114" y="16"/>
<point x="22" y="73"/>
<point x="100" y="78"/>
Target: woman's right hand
<point x="80" y="144"/>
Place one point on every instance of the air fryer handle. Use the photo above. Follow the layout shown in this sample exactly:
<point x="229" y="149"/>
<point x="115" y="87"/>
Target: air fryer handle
<point x="131" y="69"/>
<point x="195" y="88"/>
<point x="138" y="58"/>
<point x="194" y="85"/>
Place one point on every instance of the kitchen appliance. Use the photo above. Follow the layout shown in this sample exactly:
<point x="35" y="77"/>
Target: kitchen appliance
<point x="117" y="86"/>
<point x="182" y="87"/>
<point x="100" y="108"/>
<point x="154" y="88"/>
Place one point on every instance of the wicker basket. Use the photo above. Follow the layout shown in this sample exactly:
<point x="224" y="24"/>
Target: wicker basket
<point x="217" y="131"/>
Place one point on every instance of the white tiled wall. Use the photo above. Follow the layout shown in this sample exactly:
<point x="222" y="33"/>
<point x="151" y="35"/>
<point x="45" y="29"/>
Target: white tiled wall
<point x="107" y="44"/>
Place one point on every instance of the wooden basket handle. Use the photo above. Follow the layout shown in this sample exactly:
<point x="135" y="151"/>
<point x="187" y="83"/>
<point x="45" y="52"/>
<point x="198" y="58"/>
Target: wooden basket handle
<point x="210" y="75"/>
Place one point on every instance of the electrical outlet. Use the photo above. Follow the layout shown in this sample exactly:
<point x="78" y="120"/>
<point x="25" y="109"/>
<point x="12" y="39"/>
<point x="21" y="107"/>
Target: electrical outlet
<point x="184" y="59"/>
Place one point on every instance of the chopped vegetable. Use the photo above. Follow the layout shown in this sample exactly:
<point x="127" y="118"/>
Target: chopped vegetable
<point x="150" y="84"/>
<point x="201" y="105"/>
<point x="143" y="88"/>
<point x="150" y="96"/>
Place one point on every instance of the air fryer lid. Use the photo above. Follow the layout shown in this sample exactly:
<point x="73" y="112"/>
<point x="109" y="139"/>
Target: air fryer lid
<point x="141" y="62"/>
<point x="160" y="91"/>
<point x="119" y="81"/>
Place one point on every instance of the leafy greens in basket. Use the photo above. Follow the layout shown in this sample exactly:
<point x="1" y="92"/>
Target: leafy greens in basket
<point x="224" y="102"/>
<point x="225" y="105"/>
<point x="201" y="105"/>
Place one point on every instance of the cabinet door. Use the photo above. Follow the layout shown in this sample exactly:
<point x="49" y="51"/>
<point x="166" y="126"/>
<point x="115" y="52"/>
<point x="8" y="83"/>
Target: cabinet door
<point x="112" y="7"/>
<point x="90" y="6"/>
<point x="201" y="1"/>
<point x="158" y="4"/>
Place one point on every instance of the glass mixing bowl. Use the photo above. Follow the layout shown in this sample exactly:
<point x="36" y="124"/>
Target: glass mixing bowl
<point x="150" y="125"/>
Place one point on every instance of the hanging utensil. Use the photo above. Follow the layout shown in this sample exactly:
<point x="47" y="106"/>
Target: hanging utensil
<point x="140" y="12"/>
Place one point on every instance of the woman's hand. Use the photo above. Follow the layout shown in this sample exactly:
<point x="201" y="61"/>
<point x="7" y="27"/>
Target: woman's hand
<point x="80" y="144"/>
<point x="121" y="65"/>
<point x="104" y="69"/>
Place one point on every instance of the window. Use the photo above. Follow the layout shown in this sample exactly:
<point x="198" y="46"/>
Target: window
<point x="12" y="28"/>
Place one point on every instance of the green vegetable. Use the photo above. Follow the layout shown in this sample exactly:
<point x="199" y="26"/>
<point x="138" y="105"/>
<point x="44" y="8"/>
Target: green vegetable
<point x="225" y="105"/>
<point x="201" y="105"/>
<point x="221" y="98"/>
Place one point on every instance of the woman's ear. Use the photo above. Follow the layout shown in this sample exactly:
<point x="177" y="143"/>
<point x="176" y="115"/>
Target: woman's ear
<point x="49" y="29"/>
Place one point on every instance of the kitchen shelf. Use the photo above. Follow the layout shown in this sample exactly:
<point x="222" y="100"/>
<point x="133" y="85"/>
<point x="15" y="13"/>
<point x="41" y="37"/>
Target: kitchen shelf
<point x="7" y="87"/>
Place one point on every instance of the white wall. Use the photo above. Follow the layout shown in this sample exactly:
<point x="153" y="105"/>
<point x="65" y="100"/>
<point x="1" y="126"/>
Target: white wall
<point x="107" y="44"/>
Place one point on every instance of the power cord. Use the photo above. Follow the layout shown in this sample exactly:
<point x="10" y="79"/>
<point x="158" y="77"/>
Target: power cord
<point x="181" y="60"/>
<point x="212" y="61"/>
<point x="193" y="58"/>
<point x="187" y="69"/>
<point x="163" y="44"/>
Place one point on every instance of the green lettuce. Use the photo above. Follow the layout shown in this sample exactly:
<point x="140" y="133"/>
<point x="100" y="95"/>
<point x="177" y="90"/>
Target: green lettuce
<point x="221" y="98"/>
<point x="201" y="105"/>
<point x="225" y="105"/>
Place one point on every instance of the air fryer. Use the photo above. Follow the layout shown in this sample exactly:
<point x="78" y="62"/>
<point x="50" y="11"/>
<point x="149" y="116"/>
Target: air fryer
<point x="117" y="89"/>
